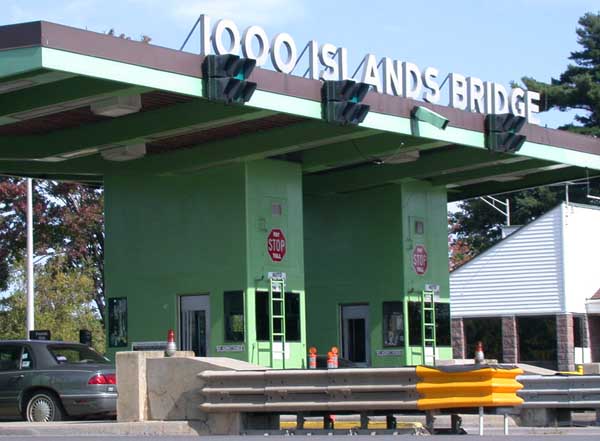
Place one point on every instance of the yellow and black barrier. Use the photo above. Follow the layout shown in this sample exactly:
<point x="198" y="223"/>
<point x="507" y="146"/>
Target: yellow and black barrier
<point x="467" y="386"/>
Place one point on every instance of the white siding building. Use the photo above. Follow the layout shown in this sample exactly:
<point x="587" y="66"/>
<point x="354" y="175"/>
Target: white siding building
<point x="531" y="287"/>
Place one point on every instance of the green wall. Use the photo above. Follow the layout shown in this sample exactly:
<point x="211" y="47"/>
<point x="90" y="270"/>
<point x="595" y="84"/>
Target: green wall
<point x="358" y="250"/>
<point x="201" y="234"/>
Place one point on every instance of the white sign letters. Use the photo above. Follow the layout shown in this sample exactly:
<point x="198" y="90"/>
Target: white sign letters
<point x="388" y="76"/>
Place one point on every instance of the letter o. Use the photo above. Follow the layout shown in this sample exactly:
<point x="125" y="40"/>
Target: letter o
<point x="217" y="37"/>
<point x="286" y="40"/>
<point x="263" y="44"/>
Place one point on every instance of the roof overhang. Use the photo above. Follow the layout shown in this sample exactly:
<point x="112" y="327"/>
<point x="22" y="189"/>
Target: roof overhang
<point x="50" y="75"/>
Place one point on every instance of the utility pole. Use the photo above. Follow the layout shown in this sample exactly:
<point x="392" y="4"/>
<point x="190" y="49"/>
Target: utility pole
<point x="30" y="298"/>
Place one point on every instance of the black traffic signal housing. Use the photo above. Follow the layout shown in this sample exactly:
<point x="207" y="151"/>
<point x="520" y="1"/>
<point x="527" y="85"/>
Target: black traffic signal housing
<point x="341" y="101"/>
<point x="225" y="78"/>
<point x="502" y="132"/>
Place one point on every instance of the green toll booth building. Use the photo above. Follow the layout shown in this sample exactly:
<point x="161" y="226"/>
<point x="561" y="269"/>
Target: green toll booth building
<point x="260" y="227"/>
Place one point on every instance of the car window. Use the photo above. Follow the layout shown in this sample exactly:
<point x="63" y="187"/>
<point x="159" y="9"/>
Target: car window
<point x="75" y="354"/>
<point x="9" y="357"/>
<point x="26" y="359"/>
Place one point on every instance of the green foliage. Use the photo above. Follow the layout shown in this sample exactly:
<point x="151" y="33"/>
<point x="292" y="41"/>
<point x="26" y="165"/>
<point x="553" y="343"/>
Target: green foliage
<point x="579" y="85"/>
<point x="63" y="304"/>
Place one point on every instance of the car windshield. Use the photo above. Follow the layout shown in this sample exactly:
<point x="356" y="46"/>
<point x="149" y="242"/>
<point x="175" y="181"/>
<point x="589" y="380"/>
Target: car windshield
<point x="76" y="354"/>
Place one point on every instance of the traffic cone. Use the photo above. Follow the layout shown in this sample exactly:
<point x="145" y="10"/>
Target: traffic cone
<point x="479" y="357"/>
<point x="171" y="346"/>
<point x="330" y="360"/>
<point x="334" y="357"/>
<point x="312" y="357"/>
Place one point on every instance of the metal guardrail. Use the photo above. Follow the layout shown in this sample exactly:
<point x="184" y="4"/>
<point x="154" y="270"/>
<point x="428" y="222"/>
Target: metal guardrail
<point x="357" y="390"/>
<point x="560" y="392"/>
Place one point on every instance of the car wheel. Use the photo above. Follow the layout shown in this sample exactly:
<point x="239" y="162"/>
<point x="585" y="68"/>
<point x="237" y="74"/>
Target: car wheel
<point x="43" y="407"/>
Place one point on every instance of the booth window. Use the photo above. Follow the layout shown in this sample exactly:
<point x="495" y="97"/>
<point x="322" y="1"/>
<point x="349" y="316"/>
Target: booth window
<point x="414" y="323"/>
<point x="261" y="304"/>
<point x="393" y="324"/>
<point x="117" y="322"/>
<point x="442" y="324"/>
<point x="292" y="316"/>
<point x="233" y="307"/>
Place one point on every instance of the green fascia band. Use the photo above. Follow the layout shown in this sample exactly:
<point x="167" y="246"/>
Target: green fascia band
<point x="152" y="78"/>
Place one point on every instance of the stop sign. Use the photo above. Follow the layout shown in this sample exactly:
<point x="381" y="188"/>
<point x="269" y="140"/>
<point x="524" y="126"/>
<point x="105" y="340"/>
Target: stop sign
<point x="419" y="259"/>
<point x="276" y="245"/>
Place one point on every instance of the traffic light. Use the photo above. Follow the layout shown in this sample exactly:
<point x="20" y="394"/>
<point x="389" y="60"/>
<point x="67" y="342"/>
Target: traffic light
<point x="501" y="132"/>
<point x="341" y="101"/>
<point x="225" y="78"/>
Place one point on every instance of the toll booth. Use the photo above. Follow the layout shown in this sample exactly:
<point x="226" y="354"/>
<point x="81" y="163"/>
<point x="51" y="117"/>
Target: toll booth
<point x="257" y="211"/>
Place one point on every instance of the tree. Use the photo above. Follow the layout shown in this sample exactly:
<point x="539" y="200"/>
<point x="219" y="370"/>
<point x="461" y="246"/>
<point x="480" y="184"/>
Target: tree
<point x="579" y="85"/>
<point x="68" y="222"/>
<point x="62" y="304"/>
<point x="476" y="226"/>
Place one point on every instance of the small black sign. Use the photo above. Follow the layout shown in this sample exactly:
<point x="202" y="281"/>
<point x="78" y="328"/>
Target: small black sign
<point x="39" y="334"/>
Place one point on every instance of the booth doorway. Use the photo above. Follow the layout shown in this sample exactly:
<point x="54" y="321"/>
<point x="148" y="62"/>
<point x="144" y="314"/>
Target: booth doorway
<point x="355" y="342"/>
<point x="194" y="324"/>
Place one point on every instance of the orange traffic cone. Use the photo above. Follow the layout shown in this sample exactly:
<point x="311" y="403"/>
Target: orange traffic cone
<point x="312" y="357"/>
<point x="479" y="357"/>
<point x="171" y="346"/>
<point x="334" y="357"/>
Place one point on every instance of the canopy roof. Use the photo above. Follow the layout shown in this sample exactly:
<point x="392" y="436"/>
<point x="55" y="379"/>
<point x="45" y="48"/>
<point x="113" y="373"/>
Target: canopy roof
<point x="51" y="74"/>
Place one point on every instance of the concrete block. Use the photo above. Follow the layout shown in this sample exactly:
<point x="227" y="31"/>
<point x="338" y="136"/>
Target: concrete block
<point x="591" y="368"/>
<point x="173" y="386"/>
<point x="131" y="381"/>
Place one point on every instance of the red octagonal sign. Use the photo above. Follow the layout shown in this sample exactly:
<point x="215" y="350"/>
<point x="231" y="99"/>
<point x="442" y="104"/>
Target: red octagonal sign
<point x="419" y="259"/>
<point x="276" y="245"/>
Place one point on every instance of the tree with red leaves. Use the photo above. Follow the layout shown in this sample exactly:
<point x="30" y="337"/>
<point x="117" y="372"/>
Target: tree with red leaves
<point x="68" y="222"/>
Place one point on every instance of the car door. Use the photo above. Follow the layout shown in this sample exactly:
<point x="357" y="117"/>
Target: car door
<point x="11" y="378"/>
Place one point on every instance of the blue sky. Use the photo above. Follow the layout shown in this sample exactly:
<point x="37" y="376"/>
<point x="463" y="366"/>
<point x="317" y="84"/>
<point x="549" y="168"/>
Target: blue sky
<point x="494" y="40"/>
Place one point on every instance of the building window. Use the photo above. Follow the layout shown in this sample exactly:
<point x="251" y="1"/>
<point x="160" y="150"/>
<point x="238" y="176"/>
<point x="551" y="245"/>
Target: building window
<point x="414" y="323"/>
<point x="537" y="341"/>
<point x="578" y="331"/>
<point x="393" y="324"/>
<point x="442" y="324"/>
<point x="261" y="304"/>
<point x="233" y="307"/>
<point x="292" y="316"/>
<point x="487" y="330"/>
<point x="117" y="322"/>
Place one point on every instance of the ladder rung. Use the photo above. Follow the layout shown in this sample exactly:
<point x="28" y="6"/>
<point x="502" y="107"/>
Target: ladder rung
<point x="279" y="334"/>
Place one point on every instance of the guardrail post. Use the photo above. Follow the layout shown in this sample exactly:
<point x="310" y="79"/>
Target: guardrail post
<point x="505" y="423"/>
<point x="429" y="421"/>
<point x="456" y="424"/>
<point x="328" y="421"/>
<point x="364" y="421"/>
<point x="300" y="421"/>
<point x="390" y="422"/>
